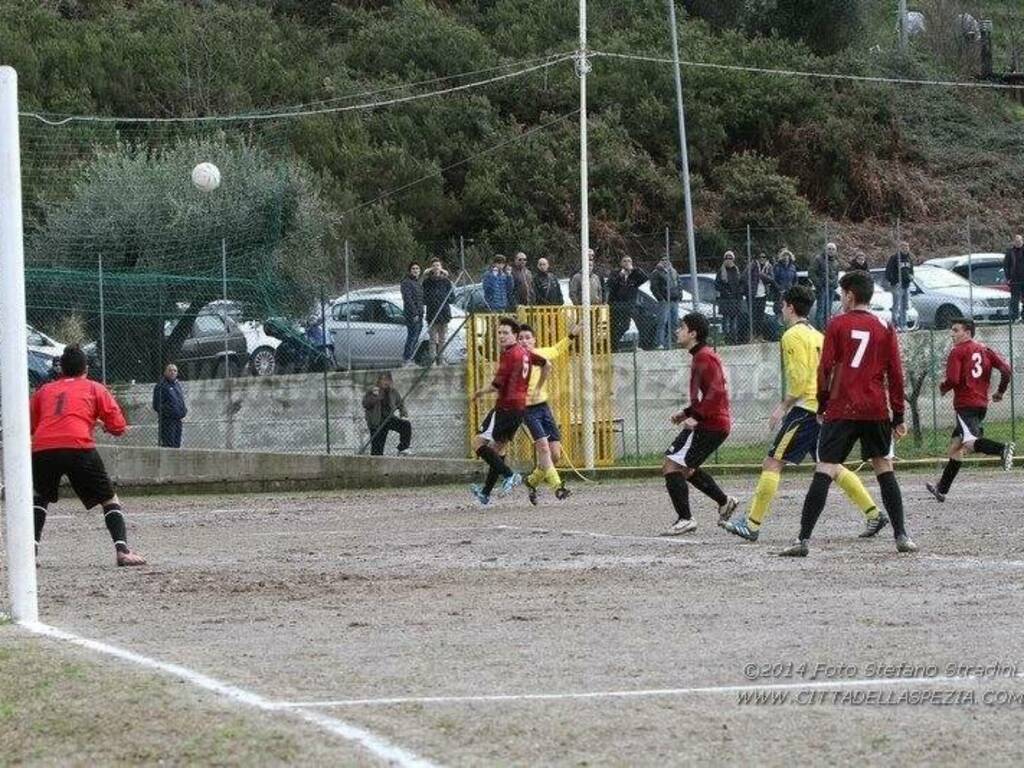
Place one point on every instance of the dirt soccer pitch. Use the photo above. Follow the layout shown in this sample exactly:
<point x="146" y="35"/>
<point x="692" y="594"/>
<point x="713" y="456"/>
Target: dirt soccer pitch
<point x="414" y="627"/>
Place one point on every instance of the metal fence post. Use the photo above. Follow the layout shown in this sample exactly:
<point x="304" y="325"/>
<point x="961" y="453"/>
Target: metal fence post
<point x="636" y="403"/>
<point x="1013" y="391"/>
<point x="970" y="270"/>
<point x="103" y="326"/>
<point x="327" y="406"/>
<point x="935" y="400"/>
<point x="348" y="314"/>
<point x="750" y="293"/>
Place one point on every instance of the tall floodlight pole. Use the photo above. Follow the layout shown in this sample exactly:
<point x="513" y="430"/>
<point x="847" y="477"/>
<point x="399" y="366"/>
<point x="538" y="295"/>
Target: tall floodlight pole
<point x="20" y="528"/>
<point x="904" y="32"/>
<point x="684" y="169"/>
<point x="582" y="68"/>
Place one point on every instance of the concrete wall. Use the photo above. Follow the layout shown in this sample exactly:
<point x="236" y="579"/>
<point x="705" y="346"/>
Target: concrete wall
<point x="287" y="413"/>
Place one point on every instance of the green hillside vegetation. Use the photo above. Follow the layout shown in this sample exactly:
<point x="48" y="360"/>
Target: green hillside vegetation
<point x="784" y="155"/>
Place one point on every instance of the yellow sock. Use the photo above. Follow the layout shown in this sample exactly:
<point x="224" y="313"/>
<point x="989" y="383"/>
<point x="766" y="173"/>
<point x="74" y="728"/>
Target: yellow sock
<point x="767" y="487"/>
<point x="552" y="478"/>
<point x="857" y="493"/>
<point x="536" y="477"/>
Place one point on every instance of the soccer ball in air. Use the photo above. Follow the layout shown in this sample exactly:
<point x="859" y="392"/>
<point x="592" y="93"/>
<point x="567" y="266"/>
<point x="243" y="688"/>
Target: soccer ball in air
<point x="206" y="176"/>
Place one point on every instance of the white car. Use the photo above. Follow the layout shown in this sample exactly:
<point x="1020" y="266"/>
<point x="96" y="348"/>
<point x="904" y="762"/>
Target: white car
<point x="984" y="269"/>
<point x="941" y="296"/>
<point x="40" y="342"/>
<point x="881" y="302"/>
<point x="367" y="329"/>
<point x="260" y="346"/>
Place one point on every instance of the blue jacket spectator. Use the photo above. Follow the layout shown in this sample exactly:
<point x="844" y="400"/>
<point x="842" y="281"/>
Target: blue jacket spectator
<point x="499" y="286"/>
<point x="169" y="404"/>
<point x="785" y="271"/>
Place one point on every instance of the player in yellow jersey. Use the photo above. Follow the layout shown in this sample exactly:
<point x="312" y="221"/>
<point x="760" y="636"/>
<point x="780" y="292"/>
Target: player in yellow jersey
<point x="798" y="435"/>
<point x="539" y="420"/>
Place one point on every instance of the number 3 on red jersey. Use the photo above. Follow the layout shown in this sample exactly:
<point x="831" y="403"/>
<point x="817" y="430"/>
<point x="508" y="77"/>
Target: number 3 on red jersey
<point x="976" y="369"/>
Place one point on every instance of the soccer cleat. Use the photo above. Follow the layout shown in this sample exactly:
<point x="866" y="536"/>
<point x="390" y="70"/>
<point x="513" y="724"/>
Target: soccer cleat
<point x="562" y="493"/>
<point x="1008" y="456"/>
<point x="905" y="545"/>
<point x="531" y="491"/>
<point x="130" y="558"/>
<point x="796" y="549"/>
<point x="405" y="452"/>
<point x="741" y="529"/>
<point x="934" y="491"/>
<point x="725" y="510"/>
<point x="871" y="527"/>
<point x="478" y="492"/>
<point x="680" y="527"/>
<point x="510" y="482"/>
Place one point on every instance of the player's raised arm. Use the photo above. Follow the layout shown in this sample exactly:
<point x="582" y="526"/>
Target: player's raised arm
<point x="953" y="372"/>
<point x="1005" y="372"/>
<point x="545" y="367"/>
<point x="827" y="365"/>
<point x="894" y="374"/>
<point x="108" y="412"/>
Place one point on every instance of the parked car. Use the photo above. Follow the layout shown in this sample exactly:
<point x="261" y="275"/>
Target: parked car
<point x="40" y="342"/>
<point x="941" y="296"/>
<point x="259" y="344"/>
<point x="881" y="302"/>
<point x="42" y="368"/>
<point x="212" y="349"/>
<point x="980" y="268"/>
<point x="367" y="328"/>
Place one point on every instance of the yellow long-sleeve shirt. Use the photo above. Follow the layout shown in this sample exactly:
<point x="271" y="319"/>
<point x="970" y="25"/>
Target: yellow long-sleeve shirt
<point x="801" y="352"/>
<point x="539" y="394"/>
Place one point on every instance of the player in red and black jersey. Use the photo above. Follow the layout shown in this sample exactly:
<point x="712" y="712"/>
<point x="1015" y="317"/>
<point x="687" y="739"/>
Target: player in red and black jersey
<point x="860" y="365"/>
<point x="706" y="423"/>
<point x="511" y="383"/>
<point x="969" y="375"/>
<point x="64" y="414"/>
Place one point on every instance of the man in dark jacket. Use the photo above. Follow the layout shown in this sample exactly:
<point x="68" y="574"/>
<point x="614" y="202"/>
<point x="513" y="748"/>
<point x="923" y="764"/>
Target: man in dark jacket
<point x="438" y="295"/>
<point x="824" y="276"/>
<point x="899" y="272"/>
<point x="729" y="285"/>
<point x="1013" y="268"/>
<point x="169" y="404"/>
<point x="498" y="287"/>
<point x="758" y="286"/>
<point x="523" y="282"/>
<point x="623" y="287"/>
<point x="665" y="287"/>
<point x="545" y="285"/>
<point x="385" y="412"/>
<point x="412" y="309"/>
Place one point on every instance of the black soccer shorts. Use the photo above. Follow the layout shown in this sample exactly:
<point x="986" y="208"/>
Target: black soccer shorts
<point x="969" y="423"/>
<point x="797" y="436"/>
<point x="500" y="425"/>
<point x="837" y="438"/>
<point x="84" y="469"/>
<point x="540" y="423"/>
<point x="691" y="448"/>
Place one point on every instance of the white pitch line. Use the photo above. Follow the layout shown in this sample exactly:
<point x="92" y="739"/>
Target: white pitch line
<point x="593" y="534"/>
<point x="640" y="693"/>
<point x="376" y="745"/>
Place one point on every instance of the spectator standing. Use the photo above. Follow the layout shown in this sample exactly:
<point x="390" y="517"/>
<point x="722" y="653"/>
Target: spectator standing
<point x="1013" y="268"/>
<point x="623" y="287"/>
<point x="665" y="287"/>
<point x="438" y="295"/>
<point x="525" y="295"/>
<point x="597" y="289"/>
<point x="169" y="404"/>
<point x="899" y="272"/>
<point x="546" y="287"/>
<point x="729" y="285"/>
<point x="785" y="276"/>
<point x="760" y="281"/>
<point x="824" y="276"/>
<point x="412" y="309"/>
<point x="385" y="412"/>
<point x="497" y="286"/>
<point x="859" y="262"/>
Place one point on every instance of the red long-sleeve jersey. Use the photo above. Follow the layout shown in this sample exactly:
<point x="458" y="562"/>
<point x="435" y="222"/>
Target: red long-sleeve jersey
<point x="513" y="377"/>
<point x="969" y="374"/>
<point x="709" y="391"/>
<point x="65" y="411"/>
<point x="860" y="363"/>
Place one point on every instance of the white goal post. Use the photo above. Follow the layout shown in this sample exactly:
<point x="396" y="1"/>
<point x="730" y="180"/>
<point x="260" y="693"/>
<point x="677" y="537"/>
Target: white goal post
<point x="18" y="517"/>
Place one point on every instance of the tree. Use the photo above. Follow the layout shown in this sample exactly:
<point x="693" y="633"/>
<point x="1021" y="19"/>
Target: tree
<point x="922" y="354"/>
<point x="160" y="242"/>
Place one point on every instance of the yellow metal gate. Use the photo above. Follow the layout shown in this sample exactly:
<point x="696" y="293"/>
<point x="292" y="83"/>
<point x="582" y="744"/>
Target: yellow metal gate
<point x="565" y="384"/>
